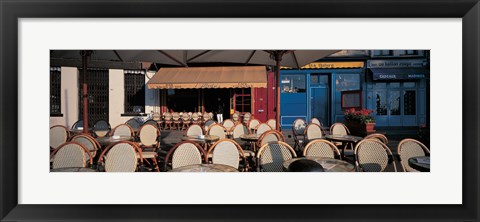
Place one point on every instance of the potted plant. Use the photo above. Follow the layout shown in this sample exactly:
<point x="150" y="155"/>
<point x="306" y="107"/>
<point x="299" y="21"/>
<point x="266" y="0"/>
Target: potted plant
<point x="359" y="122"/>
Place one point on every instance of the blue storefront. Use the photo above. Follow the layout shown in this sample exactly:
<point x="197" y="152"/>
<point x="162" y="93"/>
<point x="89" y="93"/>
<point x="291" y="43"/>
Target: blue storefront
<point x="309" y="93"/>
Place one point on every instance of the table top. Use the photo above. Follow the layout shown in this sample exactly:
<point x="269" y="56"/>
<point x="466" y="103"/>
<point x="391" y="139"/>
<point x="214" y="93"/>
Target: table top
<point x="343" y="138"/>
<point x="73" y="169"/>
<point x="420" y="163"/>
<point x="207" y="138"/>
<point x="250" y="137"/>
<point x="205" y="168"/>
<point x="107" y="140"/>
<point x="328" y="164"/>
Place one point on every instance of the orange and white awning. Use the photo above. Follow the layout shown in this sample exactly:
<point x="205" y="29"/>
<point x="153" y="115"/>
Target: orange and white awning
<point x="209" y="77"/>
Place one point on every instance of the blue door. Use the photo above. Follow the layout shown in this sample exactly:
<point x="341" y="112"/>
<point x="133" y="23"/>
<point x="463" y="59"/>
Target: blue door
<point x="395" y="104"/>
<point x="320" y="104"/>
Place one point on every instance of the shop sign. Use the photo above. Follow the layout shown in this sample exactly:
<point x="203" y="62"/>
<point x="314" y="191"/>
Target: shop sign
<point x="377" y="76"/>
<point x="397" y="63"/>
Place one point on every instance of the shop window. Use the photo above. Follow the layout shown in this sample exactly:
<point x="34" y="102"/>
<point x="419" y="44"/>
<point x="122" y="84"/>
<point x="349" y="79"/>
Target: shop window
<point x="394" y="101"/>
<point x="347" y="82"/>
<point x="409" y="102"/>
<point x="408" y="52"/>
<point x="242" y="102"/>
<point x="382" y="52"/>
<point x="134" y="92"/>
<point x="409" y="84"/>
<point x="381" y="103"/>
<point x="293" y="84"/>
<point x="394" y="85"/>
<point x="55" y="91"/>
<point x="98" y="95"/>
<point x="319" y="80"/>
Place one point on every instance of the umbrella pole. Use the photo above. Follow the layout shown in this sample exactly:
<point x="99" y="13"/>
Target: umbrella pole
<point x="85" y="54"/>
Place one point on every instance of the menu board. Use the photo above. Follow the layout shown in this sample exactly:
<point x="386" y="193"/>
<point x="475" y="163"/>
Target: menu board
<point x="351" y="99"/>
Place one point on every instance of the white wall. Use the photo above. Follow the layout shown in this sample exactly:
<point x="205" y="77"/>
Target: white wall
<point x="116" y="97"/>
<point x="69" y="98"/>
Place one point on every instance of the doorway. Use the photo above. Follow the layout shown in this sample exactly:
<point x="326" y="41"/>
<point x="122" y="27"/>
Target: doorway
<point x="320" y="98"/>
<point x="395" y="103"/>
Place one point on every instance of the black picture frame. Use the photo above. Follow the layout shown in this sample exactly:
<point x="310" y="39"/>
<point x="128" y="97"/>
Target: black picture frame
<point x="11" y="11"/>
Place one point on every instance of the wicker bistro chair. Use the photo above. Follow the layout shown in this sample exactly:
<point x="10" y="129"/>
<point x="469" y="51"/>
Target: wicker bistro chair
<point x="380" y="137"/>
<point x="298" y="130"/>
<point x="58" y="136"/>
<point x="227" y="152"/>
<point x="88" y="142"/>
<point x="217" y="130"/>
<point x="339" y="129"/>
<point x="205" y="117"/>
<point x="408" y="148"/>
<point x="316" y="121"/>
<point x="270" y="136"/>
<point x="123" y="130"/>
<point x="228" y="124"/>
<point x="149" y="136"/>
<point x="238" y="130"/>
<point x="252" y="124"/>
<point x="158" y="118"/>
<point x="246" y="118"/>
<point x="134" y="123"/>
<point x="168" y="121"/>
<point x="196" y="119"/>
<point x="261" y="128"/>
<point x="186" y="121"/>
<point x="236" y="117"/>
<point x="194" y="130"/>
<point x="312" y="132"/>
<point x="185" y="153"/>
<point x="71" y="154"/>
<point x="373" y="156"/>
<point x="151" y="122"/>
<point x="177" y="121"/>
<point x="101" y="128"/>
<point x="272" y="155"/>
<point x="272" y="123"/>
<point x="122" y="156"/>
<point x="321" y="148"/>
<point x="208" y="123"/>
<point x="78" y="124"/>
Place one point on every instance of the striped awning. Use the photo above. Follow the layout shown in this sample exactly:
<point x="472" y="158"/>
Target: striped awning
<point x="209" y="77"/>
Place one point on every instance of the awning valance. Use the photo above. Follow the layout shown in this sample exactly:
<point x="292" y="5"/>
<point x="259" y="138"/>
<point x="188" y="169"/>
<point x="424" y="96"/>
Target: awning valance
<point x="399" y="74"/>
<point x="209" y="77"/>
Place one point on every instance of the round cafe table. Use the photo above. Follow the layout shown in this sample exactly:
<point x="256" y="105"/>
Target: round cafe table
<point x="345" y="139"/>
<point x="206" y="139"/>
<point x="107" y="140"/>
<point x="205" y="168"/>
<point x="420" y="163"/>
<point x="73" y="169"/>
<point x="328" y="164"/>
<point x="252" y="138"/>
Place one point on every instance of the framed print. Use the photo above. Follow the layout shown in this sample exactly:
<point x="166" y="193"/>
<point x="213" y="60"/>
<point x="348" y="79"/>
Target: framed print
<point x="33" y="35"/>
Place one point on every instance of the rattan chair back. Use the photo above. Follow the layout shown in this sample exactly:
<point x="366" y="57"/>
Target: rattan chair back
<point x="71" y="154"/>
<point x="313" y="131"/>
<point x="252" y="124"/>
<point x="339" y="129"/>
<point x="151" y="122"/>
<point x="123" y="130"/>
<point x="236" y="117"/>
<point x="149" y="136"/>
<point x="156" y="117"/>
<point x="88" y="142"/>
<point x="167" y="116"/>
<point x="298" y="127"/>
<point x="121" y="157"/>
<point x="78" y="124"/>
<point x="175" y="116"/>
<point x="238" y="130"/>
<point x="186" y="117"/>
<point x="134" y="123"/>
<point x="58" y="136"/>
<point x="184" y="154"/>
<point x="208" y="123"/>
<point x="101" y="128"/>
<point x="270" y="136"/>
<point x="227" y="152"/>
<point x="316" y="121"/>
<point x="377" y="136"/>
<point x="246" y="118"/>
<point x="205" y="117"/>
<point x="272" y="155"/>
<point x="372" y="156"/>
<point x="217" y="130"/>
<point x="409" y="148"/>
<point x="228" y="124"/>
<point x="272" y="123"/>
<point x="194" y="130"/>
<point x="321" y="148"/>
<point x="261" y="128"/>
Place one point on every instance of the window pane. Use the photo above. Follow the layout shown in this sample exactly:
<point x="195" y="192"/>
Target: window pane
<point x="380" y="85"/>
<point x="293" y="84"/>
<point x="409" y="84"/>
<point x="134" y="91"/>
<point x="381" y="103"/>
<point x="347" y="82"/>
<point x="409" y="102"/>
<point x="55" y="90"/>
<point x="394" y="103"/>
<point x="394" y="84"/>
